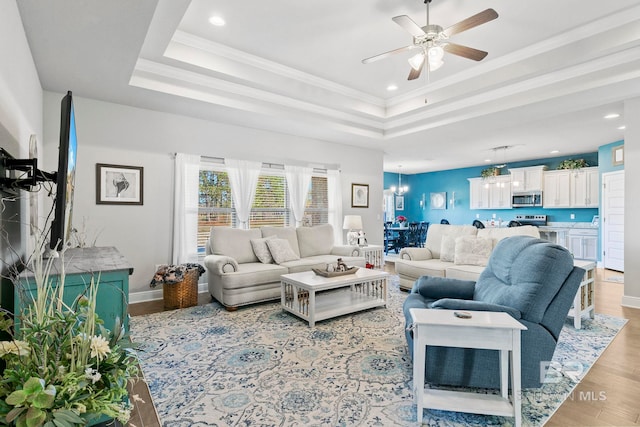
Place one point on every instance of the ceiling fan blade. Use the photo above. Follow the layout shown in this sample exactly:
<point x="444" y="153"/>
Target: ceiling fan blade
<point x="465" y="51"/>
<point x="472" y="21"/>
<point x="407" y="23"/>
<point x="384" y="55"/>
<point x="414" y="74"/>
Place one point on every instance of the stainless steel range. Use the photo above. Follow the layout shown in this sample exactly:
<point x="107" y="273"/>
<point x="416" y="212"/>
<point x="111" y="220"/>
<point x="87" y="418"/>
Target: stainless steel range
<point x="537" y="220"/>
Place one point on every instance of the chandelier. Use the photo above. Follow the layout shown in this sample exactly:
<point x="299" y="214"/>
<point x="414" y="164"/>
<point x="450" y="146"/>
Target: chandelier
<point x="400" y="189"/>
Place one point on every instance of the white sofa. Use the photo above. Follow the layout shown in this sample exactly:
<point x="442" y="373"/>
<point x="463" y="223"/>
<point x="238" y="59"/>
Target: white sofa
<point x="454" y="251"/>
<point x="238" y="277"/>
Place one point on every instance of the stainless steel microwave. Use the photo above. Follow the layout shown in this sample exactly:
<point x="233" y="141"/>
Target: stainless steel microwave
<point x="529" y="199"/>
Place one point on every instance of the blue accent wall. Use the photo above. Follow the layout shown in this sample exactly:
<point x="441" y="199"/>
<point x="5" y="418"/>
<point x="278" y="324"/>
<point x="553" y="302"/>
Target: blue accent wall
<point x="605" y="156"/>
<point x="456" y="181"/>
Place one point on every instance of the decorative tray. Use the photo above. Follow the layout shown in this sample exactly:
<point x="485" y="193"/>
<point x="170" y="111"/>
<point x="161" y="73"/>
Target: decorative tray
<point x="324" y="273"/>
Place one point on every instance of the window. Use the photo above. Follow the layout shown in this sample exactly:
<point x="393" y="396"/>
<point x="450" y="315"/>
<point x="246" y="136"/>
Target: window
<point x="270" y="206"/>
<point x="215" y="206"/>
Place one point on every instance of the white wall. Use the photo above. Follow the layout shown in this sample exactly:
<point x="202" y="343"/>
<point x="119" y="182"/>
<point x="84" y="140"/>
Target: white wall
<point x="20" y="115"/>
<point x="117" y="134"/>
<point x="631" y="203"/>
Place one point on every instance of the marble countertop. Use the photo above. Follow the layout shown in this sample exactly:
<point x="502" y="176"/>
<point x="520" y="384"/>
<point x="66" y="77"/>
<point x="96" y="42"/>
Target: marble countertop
<point x="554" y="226"/>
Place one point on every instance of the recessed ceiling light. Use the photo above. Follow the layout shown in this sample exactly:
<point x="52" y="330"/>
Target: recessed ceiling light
<point x="391" y="88"/>
<point x="487" y="160"/>
<point x="554" y="151"/>
<point x="216" y="20"/>
<point x="612" y="116"/>
<point x="623" y="127"/>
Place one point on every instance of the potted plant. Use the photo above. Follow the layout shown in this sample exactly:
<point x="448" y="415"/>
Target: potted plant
<point x="62" y="368"/>
<point x="573" y="164"/>
<point x="490" y="171"/>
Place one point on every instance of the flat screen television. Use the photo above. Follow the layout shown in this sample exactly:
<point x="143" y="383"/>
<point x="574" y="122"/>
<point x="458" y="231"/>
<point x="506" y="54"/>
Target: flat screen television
<point x="65" y="176"/>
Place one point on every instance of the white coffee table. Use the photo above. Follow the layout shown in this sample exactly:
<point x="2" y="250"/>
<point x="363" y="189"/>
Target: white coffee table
<point x="373" y="254"/>
<point x="314" y="298"/>
<point x="485" y="330"/>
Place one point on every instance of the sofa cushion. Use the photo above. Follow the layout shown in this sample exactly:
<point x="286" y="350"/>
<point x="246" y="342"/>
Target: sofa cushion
<point x="415" y="269"/>
<point x="498" y="234"/>
<point x="261" y="249"/>
<point x="472" y="250"/>
<point x="234" y="243"/>
<point x="436" y="231"/>
<point x="464" y="271"/>
<point x="252" y="274"/>
<point x="281" y="250"/>
<point x="317" y="240"/>
<point x="288" y="233"/>
<point x="447" y="248"/>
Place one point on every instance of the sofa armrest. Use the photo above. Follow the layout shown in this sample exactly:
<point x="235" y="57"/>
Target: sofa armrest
<point x="435" y="288"/>
<point x="463" y="304"/>
<point x="220" y="264"/>
<point x="415" y="254"/>
<point x="346" y="250"/>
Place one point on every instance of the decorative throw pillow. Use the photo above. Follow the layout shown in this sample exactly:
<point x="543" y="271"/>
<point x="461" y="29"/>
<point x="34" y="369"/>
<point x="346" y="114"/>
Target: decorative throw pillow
<point x="473" y="250"/>
<point x="261" y="249"/>
<point x="281" y="250"/>
<point x="447" y="248"/>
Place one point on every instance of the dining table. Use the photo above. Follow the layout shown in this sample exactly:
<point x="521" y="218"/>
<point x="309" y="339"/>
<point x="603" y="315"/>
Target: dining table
<point x="401" y="232"/>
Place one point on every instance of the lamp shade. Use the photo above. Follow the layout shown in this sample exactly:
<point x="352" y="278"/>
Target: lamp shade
<point x="352" y="222"/>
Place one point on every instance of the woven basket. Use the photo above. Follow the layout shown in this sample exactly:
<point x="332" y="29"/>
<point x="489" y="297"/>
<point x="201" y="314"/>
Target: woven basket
<point x="182" y="294"/>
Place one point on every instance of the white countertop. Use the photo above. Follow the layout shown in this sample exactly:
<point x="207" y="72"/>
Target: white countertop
<point x="551" y="226"/>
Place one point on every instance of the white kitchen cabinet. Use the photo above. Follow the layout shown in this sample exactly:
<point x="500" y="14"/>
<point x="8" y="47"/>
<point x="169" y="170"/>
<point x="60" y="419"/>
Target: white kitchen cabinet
<point x="484" y="194"/>
<point x="585" y="188"/>
<point x="527" y="179"/>
<point x="557" y="189"/>
<point x="583" y="244"/>
<point x="479" y="196"/>
<point x="500" y="193"/>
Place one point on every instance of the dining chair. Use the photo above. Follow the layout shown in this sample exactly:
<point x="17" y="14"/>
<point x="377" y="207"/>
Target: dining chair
<point x="390" y="240"/>
<point x="413" y="235"/>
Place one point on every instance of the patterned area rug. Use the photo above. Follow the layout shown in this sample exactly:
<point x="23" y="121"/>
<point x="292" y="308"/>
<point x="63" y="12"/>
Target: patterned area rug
<point x="262" y="366"/>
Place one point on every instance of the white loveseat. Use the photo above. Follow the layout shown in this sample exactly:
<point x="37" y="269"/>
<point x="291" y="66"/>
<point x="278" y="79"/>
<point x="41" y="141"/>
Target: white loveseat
<point x="455" y="251"/>
<point x="244" y="266"/>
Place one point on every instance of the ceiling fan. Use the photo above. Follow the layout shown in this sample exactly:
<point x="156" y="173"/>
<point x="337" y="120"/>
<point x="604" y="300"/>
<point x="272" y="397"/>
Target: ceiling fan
<point x="433" y="41"/>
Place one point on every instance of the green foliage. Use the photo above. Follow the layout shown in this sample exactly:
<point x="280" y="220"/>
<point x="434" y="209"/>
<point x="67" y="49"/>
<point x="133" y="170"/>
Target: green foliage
<point x="572" y="164"/>
<point x="62" y="367"/>
<point x="490" y="171"/>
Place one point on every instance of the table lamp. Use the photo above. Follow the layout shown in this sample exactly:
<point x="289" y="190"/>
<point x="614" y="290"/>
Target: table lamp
<point x="353" y="223"/>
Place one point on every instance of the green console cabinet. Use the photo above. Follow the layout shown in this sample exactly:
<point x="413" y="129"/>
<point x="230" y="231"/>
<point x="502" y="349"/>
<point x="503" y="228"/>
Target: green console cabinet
<point x="104" y="264"/>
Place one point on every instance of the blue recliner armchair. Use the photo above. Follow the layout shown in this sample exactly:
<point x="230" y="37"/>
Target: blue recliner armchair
<point x="532" y="280"/>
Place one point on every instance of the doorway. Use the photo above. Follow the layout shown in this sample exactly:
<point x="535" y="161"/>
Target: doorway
<point x="613" y="220"/>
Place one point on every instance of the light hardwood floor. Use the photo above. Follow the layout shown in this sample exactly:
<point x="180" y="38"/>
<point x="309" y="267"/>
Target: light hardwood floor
<point x="609" y="394"/>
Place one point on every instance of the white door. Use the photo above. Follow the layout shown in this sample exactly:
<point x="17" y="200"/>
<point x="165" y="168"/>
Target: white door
<point x="613" y="220"/>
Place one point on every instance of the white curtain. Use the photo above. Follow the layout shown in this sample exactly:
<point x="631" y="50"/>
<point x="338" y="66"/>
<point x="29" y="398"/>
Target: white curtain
<point x="298" y="181"/>
<point x="243" y="177"/>
<point x="185" y="210"/>
<point x="334" y="193"/>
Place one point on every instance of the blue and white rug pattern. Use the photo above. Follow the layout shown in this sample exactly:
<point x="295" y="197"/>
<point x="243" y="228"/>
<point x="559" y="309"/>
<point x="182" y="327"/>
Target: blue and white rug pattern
<point x="260" y="366"/>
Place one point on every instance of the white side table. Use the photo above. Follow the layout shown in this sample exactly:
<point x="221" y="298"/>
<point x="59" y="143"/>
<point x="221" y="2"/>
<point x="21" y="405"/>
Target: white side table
<point x="485" y="330"/>
<point x="373" y="254"/>
<point x="585" y="299"/>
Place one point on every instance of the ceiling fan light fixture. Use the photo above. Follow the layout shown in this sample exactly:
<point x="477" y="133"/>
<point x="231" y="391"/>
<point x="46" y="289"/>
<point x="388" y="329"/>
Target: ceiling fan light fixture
<point x="416" y="61"/>
<point x="436" y="53"/>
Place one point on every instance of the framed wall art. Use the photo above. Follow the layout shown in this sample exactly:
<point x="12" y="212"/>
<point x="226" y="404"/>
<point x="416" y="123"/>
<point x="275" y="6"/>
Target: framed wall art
<point x="399" y="203"/>
<point x="119" y="185"/>
<point x="359" y="195"/>
<point x="617" y="154"/>
<point x="439" y="200"/>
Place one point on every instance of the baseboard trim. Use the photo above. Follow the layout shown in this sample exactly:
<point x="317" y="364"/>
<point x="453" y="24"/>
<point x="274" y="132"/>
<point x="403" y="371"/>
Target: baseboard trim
<point x="156" y="294"/>
<point x="631" y="302"/>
